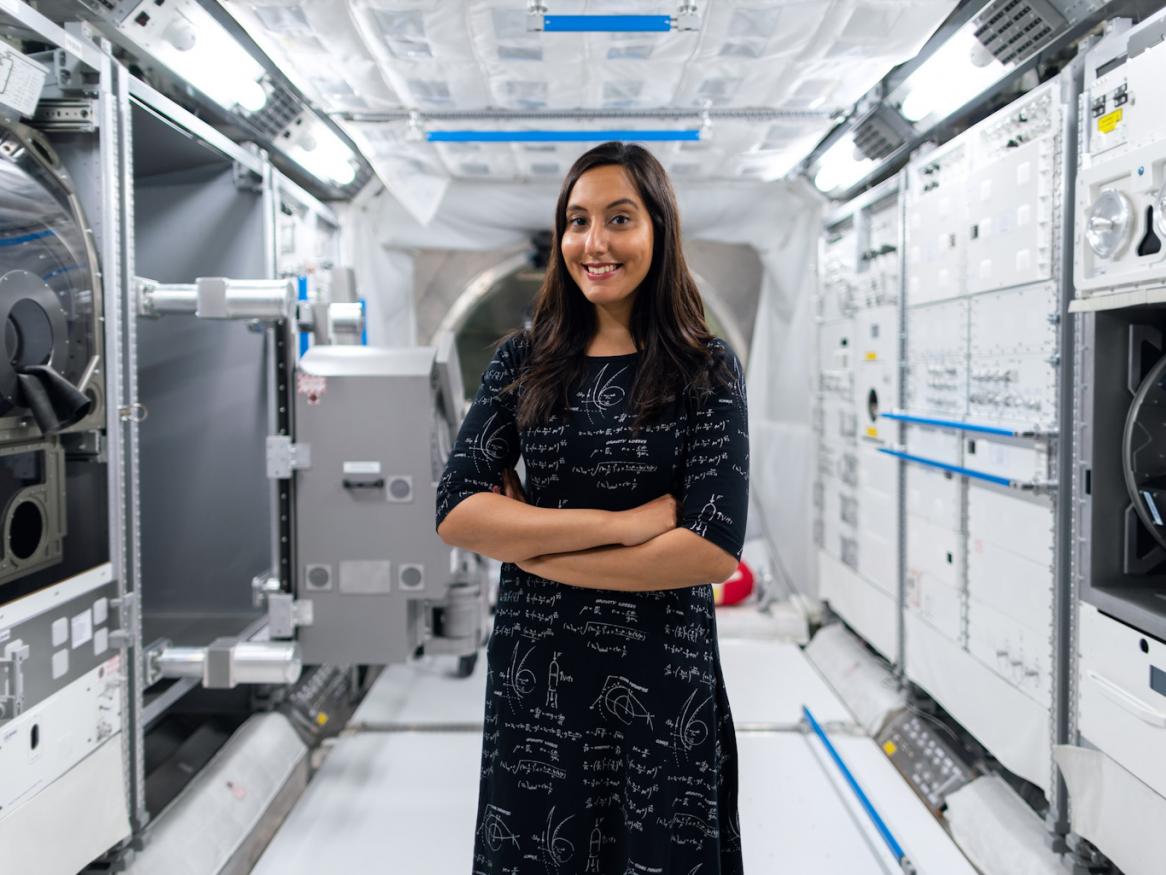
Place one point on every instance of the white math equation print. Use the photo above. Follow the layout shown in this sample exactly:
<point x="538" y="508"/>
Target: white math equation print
<point x="608" y="742"/>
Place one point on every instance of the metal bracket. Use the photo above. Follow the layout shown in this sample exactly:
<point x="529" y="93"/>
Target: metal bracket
<point x="68" y="114"/>
<point x="126" y="612"/>
<point x="12" y="694"/>
<point x="246" y="179"/>
<point x="283" y="457"/>
<point x="153" y="672"/>
<point x="285" y="613"/>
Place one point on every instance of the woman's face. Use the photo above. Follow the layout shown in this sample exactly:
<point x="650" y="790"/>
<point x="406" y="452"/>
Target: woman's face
<point x="608" y="242"/>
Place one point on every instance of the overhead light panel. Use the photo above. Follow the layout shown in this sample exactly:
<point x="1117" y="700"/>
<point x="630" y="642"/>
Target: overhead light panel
<point x="955" y="73"/>
<point x="1002" y="35"/>
<point x="841" y="165"/>
<point x="186" y="39"/>
<point x="586" y="136"/>
<point x="540" y="19"/>
<point x="318" y="149"/>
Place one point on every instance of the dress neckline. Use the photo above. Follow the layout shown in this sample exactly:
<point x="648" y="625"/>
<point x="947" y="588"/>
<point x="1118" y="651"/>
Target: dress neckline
<point x="626" y="355"/>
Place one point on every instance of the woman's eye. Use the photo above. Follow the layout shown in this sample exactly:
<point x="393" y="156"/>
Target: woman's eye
<point x="573" y="220"/>
<point x="621" y="216"/>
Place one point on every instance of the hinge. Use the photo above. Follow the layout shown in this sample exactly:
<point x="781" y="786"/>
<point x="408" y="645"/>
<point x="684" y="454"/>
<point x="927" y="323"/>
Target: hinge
<point x="283" y="457"/>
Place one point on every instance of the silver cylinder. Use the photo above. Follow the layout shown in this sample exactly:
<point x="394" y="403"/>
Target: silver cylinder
<point x="248" y="662"/>
<point x="267" y="662"/>
<point x="181" y="662"/>
<point x="157" y="299"/>
<point x="223" y="298"/>
<point x="345" y="322"/>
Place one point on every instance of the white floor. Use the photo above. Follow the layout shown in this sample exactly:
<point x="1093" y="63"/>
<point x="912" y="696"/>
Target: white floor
<point x="399" y="789"/>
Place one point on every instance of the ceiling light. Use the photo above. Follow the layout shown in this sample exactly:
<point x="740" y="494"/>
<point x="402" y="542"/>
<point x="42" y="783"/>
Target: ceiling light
<point x="185" y="38"/>
<point x="317" y="148"/>
<point x="841" y="165"/>
<point x="955" y="73"/>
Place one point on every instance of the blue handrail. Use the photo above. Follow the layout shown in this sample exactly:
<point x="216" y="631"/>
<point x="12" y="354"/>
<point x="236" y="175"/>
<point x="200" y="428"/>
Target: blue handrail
<point x="884" y="831"/>
<point x="955" y="469"/>
<point x="965" y="426"/>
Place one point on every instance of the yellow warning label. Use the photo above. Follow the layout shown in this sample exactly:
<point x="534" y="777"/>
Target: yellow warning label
<point x="321" y="718"/>
<point x="1107" y="124"/>
<point x="871" y="356"/>
<point x="889" y="747"/>
<point x="871" y="431"/>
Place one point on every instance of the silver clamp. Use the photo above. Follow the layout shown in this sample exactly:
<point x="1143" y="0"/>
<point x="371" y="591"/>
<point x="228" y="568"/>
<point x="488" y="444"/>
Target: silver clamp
<point x="12" y="692"/>
<point x="284" y="457"/>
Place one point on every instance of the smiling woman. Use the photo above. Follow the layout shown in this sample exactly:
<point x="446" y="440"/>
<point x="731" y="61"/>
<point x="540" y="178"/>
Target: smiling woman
<point x="609" y="742"/>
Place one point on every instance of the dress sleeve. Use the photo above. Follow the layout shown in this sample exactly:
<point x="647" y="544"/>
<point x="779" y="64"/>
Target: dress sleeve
<point x="715" y="499"/>
<point x="487" y="442"/>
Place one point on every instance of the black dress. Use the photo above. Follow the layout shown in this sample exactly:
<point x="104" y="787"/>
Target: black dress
<point x="608" y="743"/>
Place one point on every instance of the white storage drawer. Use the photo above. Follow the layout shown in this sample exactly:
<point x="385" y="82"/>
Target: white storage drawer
<point x="1120" y="711"/>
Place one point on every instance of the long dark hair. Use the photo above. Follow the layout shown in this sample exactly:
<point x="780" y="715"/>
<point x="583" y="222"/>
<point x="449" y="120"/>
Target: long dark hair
<point x="667" y="322"/>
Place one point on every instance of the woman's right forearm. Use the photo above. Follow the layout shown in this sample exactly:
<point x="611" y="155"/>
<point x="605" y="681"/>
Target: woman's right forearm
<point x="511" y="531"/>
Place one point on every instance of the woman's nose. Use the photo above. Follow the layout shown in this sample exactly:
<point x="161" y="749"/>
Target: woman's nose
<point x="596" y="242"/>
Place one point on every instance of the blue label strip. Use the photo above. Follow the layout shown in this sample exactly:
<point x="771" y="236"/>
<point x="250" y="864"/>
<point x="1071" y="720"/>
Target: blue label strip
<point x="607" y="23"/>
<point x="633" y="136"/>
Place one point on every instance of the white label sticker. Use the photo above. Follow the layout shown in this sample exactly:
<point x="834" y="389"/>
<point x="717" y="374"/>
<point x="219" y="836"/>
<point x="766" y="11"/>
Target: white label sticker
<point x="100" y="641"/>
<point x="60" y="632"/>
<point x="82" y="628"/>
<point x="362" y="467"/>
<point x="21" y="80"/>
<point x="60" y="663"/>
<point x="100" y="611"/>
<point x="73" y="46"/>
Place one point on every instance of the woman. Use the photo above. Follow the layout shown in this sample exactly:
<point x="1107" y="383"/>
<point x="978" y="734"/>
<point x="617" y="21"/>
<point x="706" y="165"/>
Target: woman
<point x="608" y="743"/>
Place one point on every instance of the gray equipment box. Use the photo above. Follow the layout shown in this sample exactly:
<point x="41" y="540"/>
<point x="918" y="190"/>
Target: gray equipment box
<point x="372" y="432"/>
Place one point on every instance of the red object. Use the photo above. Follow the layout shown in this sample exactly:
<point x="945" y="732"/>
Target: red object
<point x="736" y="588"/>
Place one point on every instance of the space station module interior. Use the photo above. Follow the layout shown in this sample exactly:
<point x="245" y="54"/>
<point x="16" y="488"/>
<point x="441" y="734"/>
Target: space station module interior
<point x="232" y="374"/>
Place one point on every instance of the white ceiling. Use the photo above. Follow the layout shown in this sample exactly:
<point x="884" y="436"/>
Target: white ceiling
<point x="441" y="55"/>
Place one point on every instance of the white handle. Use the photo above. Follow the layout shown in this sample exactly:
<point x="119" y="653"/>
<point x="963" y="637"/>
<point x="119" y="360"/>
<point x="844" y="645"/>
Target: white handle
<point x="1128" y="701"/>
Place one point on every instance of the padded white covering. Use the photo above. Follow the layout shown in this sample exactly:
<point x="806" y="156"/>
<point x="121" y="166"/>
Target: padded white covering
<point x="801" y="55"/>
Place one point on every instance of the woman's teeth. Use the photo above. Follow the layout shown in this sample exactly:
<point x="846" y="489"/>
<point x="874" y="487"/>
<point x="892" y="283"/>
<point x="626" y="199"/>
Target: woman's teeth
<point x="600" y="271"/>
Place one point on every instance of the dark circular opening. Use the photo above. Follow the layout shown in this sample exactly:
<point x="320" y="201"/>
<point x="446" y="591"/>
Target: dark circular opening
<point x="26" y="531"/>
<point x="399" y="488"/>
<point x="872" y="405"/>
<point x="28" y="334"/>
<point x="318" y="577"/>
<point x="1145" y="645"/>
<point x="411" y="577"/>
<point x="34" y="736"/>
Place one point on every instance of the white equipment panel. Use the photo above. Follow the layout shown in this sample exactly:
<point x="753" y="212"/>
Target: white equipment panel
<point x="1121" y="173"/>
<point x="856" y="489"/>
<point x="982" y="361"/>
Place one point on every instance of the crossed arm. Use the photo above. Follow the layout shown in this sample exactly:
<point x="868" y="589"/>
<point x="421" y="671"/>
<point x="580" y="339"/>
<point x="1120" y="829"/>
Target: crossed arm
<point x="582" y="547"/>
